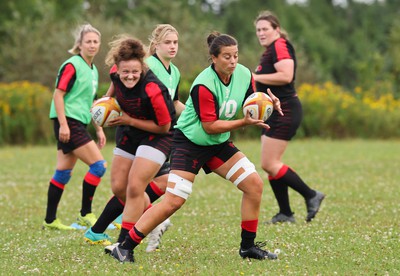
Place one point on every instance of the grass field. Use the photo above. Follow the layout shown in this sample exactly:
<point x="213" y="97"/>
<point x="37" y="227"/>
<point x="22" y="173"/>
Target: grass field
<point x="356" y="232"/>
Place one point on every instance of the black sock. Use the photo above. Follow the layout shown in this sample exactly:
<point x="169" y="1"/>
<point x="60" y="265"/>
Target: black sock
<point x="247" y="239"/>
<point x="153" y="192"/>
<point x="88" y="191"/>
<point x="281" y="193"/>
<point x="122" y="234"/>
<point x="292" y="179"/>
<point x="53" y="198"/>
<point x="112" y="210"/>
<point x="129" y="243"/>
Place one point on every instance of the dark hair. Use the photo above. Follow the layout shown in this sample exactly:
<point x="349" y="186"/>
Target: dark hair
<point x="273" y="19"/>
<point x="125" y="48"/>
<point x="216" y="41"/>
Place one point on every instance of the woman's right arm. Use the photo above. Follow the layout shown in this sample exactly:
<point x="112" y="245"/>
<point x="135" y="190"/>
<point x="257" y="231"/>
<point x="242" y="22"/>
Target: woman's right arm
<point x="110" y="90"/>
<point x="64" y="132"/>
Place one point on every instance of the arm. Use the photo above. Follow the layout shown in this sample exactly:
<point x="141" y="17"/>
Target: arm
<point x="110" y="90"/>
<point x="179" y="107"/>
<point x="283" y="75"/>
<point x="146" y="125"/>
<point x="220" y="126"/>
<point x="64" y="132"/>
<point x="205" y="105"/>
<point x="101" y="137"/>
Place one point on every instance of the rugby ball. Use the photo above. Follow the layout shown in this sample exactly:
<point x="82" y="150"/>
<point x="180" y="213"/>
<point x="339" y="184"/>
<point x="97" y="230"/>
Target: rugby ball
<point x="259" y="105"/>
<point x="104" y="110"/>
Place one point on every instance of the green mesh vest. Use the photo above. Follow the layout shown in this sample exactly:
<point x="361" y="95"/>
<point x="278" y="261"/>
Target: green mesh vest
<point x="79" y="99"/>
<point x="230" y="99"/>
<point x="171" y="81"/>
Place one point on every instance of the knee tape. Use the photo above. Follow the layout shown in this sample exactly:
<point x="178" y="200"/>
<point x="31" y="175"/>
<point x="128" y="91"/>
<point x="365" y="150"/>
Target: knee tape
<point x="62" y="176"/>
<point x="246" y="165"/>
<point x="183" y="187"/>
<point x="98" y="168"/>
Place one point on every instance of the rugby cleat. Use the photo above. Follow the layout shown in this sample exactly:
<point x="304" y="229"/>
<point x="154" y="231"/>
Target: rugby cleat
<point x="123" y="255"/>
<point x="96" y="238"/>
<point x="313" y="205"/>
<point x="108" y="249"/>
<point x="88" y="220"/>
<point x="255" y="252"/>
<point x="282" y="218"/>
<point x="56" y="225"/>
<point x="155" y="235"/>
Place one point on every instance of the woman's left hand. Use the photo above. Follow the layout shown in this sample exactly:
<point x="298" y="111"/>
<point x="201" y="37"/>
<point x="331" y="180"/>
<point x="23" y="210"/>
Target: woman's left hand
<point x="276" y="102"/>
<point x="101" y="138"/>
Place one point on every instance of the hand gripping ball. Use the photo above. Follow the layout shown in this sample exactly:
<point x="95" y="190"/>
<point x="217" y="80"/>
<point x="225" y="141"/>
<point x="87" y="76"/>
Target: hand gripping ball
<point x="259" y="105"/>
<point x="104" y="110"/>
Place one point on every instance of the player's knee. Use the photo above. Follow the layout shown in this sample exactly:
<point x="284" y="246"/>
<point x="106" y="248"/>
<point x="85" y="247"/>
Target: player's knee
<point x="98" y="168"/>
<point x="118" y="189"/>
<point x="240" y="171"/>
<point x="62" y="176"/>
<point x="182" y="188"/>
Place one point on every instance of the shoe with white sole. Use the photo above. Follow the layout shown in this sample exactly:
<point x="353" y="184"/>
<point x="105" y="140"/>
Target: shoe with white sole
<point x="154" y="238"/>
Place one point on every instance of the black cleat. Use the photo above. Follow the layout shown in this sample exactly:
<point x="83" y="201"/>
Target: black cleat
<point x="123" y="255"/>
<point x="313" y="205"/>
<point x="282" y="218"/>
<point x="255" y="252"/>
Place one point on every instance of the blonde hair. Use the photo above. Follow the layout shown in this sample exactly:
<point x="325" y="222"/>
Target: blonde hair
<point x="158" y="34"/>
<point x="273" y="19"/>
<point x="79" y="33"/>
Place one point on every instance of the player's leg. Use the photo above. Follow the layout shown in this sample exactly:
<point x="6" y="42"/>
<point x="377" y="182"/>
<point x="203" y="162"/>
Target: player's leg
<point x="178" y="190"/>
<point x="272" y="151"/>
<point x="91" y="155"/>
<point x="62" y="175"/>
<point x="241" y="172"/>
<point x="121" y="164"/>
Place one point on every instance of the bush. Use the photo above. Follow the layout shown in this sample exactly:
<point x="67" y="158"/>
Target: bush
<point x="24" y="113"/>
<point x="331" y="112"/>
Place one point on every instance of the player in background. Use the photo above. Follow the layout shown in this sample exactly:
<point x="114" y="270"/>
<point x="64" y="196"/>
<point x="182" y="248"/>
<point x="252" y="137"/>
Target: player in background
<point x="276" y="71"/>
<point x="75" y="91"/>
<point x="143" y="136"/>
<point x="201" y="140"/>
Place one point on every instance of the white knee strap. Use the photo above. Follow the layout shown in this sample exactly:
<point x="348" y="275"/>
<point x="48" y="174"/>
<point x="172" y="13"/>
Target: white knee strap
<point x="246" y="165"/>
<point x="183" y="187"/>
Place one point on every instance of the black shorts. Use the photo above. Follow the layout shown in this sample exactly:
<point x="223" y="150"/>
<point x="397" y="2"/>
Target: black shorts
<point x="130" y="141"/>
<point x="285" y="127"/>
<point x="165" y="168"/>
<point x="79" y="135"/>
<point x="190" y="157"/>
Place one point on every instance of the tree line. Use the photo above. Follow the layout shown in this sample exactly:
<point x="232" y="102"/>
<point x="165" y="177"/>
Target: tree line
<point x="353" y="46"/>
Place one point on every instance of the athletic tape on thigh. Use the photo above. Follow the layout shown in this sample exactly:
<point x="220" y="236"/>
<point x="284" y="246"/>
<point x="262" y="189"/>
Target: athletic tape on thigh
<point x="122" y="153"/>
<point x="151" y="153"/>
<point x="183" y="187"/>
<point x="247" y="166"/>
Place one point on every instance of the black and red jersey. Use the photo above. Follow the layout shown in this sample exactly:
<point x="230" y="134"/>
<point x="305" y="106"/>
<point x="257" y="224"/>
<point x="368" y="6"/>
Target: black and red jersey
<point x="280" y="49"/>
<point x="149" y="99"/>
